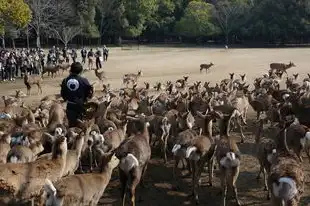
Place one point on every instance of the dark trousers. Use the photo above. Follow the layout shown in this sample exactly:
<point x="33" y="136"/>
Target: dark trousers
<point x="105" y="56"/>
<point x="84" y="60"/>
<point x="98" y="63"/>
<point x="74" y="112"/>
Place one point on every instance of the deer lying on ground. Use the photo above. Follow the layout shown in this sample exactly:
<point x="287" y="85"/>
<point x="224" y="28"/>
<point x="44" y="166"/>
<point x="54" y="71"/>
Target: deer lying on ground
<point x="25" y="181"/>
<point x="206" y="66"/>
<point x="82" y="189"/>
<point x="30" y="80"/>
<point x="281" y="67"/>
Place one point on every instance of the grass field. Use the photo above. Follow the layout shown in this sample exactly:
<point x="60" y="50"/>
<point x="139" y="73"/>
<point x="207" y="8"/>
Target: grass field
<point x="163" y="64"/>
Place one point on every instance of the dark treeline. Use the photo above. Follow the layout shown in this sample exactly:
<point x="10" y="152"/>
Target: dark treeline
<point x="91" y="22"/>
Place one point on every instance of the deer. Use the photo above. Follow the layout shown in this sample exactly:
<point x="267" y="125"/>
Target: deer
<point x="281" y="66"/>
<point x="25" y="181"/>
<point x="134" y="155"/>
<point x="80" y="189"/>
<point x="100" y="75"/>
<point x="127" y="78"/>
<point x="286" y="178"/>
<point x="205" y="66"/>
<point x="30" y="80"/>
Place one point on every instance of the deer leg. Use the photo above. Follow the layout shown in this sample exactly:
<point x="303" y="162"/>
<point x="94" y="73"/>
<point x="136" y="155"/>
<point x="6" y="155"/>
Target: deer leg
<point x="211" y="163"/>
<point x="90" y="159"/>
<point x="224" y="187"/>
<point x="165" y="147"/>
<point x="260" y="171"/>
<point x="123" y="179"/>
<point x="195" y="180"/>
<point x="234" y="177"/>
<point x="136" y="176"/>
<point x="265" y="179"/>
<point x="308" y="152"/>
<point x="241" y="131"/>
<point x="189" y="168"/>
<point x="143" y="175"/>
<point x="257" y="115"/>
<point x="175" y="170"/>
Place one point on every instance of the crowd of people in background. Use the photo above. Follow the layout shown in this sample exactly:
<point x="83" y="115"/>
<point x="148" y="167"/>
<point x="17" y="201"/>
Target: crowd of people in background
<point x="14" y="63"/>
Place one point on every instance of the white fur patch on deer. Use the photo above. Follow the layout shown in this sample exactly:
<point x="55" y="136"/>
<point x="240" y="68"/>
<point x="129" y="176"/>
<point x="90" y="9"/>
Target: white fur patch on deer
<point x="128" y="163"/>
<point x="230" y="160"/>
<point x="191" y="153"/>
<point x="305" y="139"/>
<point x="286" y="189"/>
<point x="296" y="122"/>
<point x="175" y="148"/>
<point x="58" y="131"/>
<point x="271" y="155"/>
<point x="285" y="96"/>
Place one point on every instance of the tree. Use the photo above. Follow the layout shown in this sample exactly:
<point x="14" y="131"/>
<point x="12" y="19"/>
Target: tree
<point x="288" y="20"/>
<point x="67" y="33"/>
<point x="137" y="13"/>
<point x="227" y="14"/>
<point x="162" y="21"/>
<point x="49" y="15"/>
<point x="86" y="11"/>
<point x="197" y="20"/>
<point x="111" y="19"/>
<point x="15" y="13"/>
<point x="12" y="32"/>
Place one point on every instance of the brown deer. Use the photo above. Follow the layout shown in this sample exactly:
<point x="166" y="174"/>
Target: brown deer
<point x="100" y="75"/>
<point x="30" y="80"/>
<point x="205" y="66"/>
<point x="281" y="67"/>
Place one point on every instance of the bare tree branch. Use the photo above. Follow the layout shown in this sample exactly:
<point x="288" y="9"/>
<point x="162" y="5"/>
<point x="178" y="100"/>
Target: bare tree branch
<point x="45" y="15"/>
<point x="66" y="34"/>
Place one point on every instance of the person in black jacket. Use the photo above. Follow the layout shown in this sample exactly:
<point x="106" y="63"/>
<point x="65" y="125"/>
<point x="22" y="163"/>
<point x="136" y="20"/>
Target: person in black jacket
<point x="75" y="90"/>
<point x="83" y="54"/>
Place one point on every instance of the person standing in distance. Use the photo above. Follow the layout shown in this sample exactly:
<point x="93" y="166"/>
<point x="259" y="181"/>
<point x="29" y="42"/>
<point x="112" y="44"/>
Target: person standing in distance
<point x="83" y="54"/>
<point x="75" y="90"/>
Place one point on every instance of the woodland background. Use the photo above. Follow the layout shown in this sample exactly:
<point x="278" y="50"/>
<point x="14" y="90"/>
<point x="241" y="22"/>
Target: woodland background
<point x="40" y="23"/>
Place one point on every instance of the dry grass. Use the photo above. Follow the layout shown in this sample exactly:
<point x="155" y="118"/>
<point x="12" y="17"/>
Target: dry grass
<point x="162" y="64"/>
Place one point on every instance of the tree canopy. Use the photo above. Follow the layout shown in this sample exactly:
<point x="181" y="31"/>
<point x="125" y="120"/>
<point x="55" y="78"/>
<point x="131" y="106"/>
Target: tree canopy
<point x="226" y="21"/>
<point x="197" y="20"/>
<point x="15" y="12"/>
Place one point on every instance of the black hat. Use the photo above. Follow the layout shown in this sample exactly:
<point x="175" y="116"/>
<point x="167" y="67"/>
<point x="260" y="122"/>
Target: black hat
<point x="76" y="68"/>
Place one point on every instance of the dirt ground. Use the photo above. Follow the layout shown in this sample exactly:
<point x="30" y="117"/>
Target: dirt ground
<point x="163" y="64"/>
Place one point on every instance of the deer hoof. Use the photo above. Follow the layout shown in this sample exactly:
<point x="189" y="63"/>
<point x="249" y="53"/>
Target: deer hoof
<point x="265" y="188"/>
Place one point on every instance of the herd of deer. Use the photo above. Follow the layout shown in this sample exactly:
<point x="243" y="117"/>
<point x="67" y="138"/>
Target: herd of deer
<point x="46" y="163"/>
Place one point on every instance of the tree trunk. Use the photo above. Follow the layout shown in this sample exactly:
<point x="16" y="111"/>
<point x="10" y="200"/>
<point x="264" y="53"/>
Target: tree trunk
<point x="27" y="36"/>
<point x="3" y="41"/>
<point x="38" y="41"/>
<point x="13" y="43"/>
<point x="226" y="38"/>
<point x="119" y="41"/>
